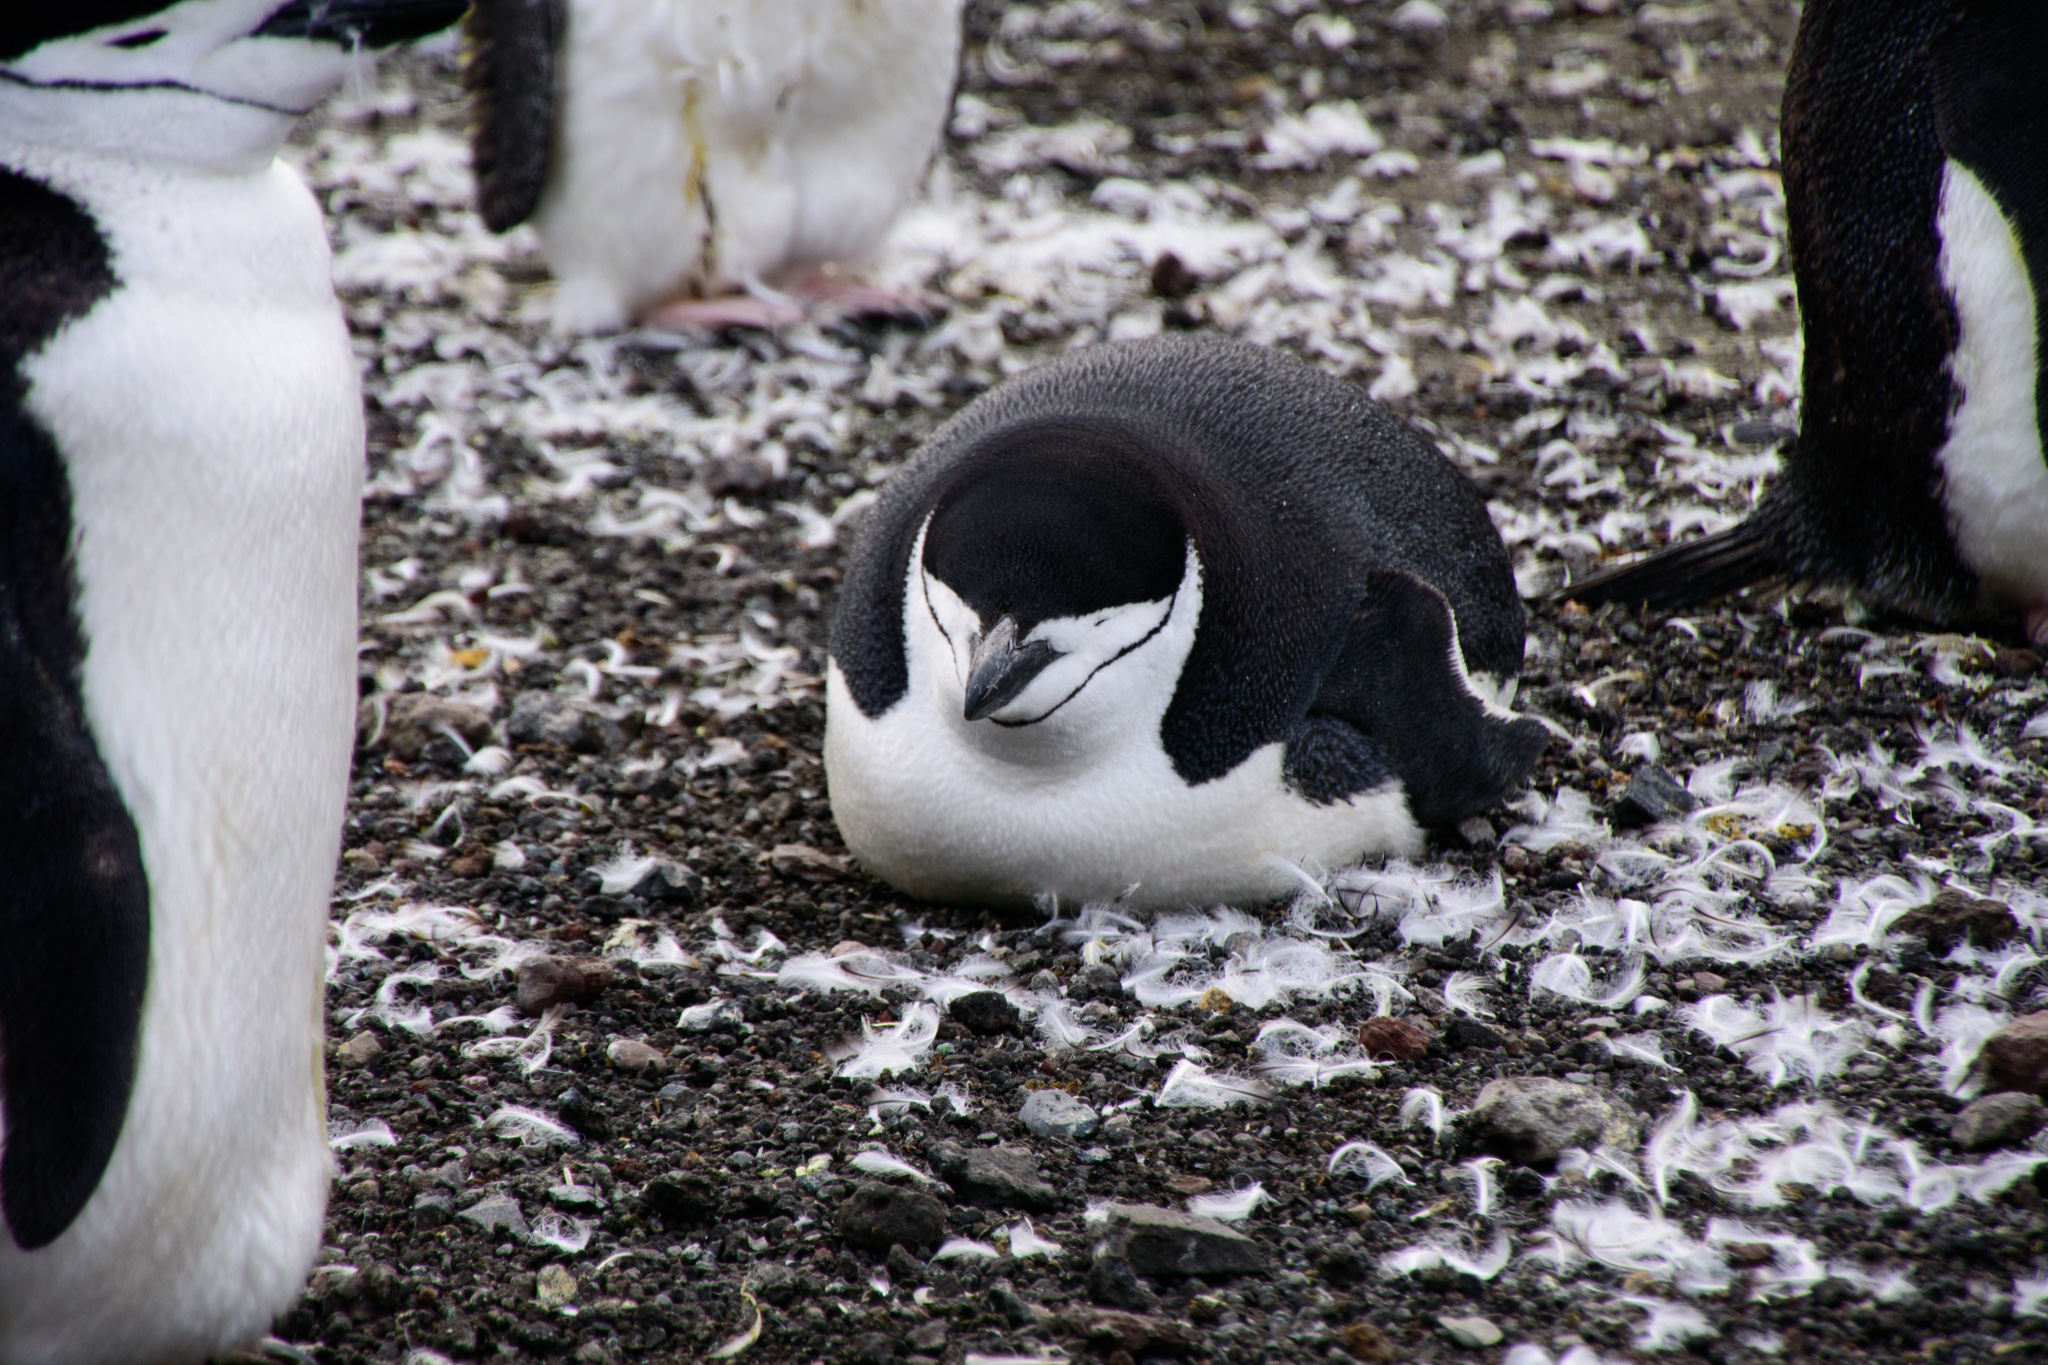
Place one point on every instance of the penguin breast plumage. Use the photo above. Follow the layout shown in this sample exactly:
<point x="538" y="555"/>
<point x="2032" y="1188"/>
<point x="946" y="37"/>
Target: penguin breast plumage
<point x="1174" y="620"/>
<point x="702" y="146"/>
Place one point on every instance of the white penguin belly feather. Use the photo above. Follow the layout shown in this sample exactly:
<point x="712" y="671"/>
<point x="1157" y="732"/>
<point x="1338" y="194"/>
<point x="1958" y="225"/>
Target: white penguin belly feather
<point x="209" y="415"/>
<point x="1995" y="480"/>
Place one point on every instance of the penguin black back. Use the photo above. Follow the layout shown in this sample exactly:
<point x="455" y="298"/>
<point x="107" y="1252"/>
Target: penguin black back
<point x="1881" y="96"/>
<point x="1291" y="486"/>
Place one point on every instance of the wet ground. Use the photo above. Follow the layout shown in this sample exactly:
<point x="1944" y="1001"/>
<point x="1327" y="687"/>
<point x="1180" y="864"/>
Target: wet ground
<point x="628" y="1057"/>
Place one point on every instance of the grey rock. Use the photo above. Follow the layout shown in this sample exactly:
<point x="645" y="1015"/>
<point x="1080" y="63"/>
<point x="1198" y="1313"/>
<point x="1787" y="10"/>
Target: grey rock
<point x="1471" y="1333"/>
<point x="1652" y="795"/>
<point x="1056" y="1114"/>
<point x="360" y="1050"/>
<point x="995" y="1177"/>
<point x="1531" y="1120"/>
<point x="2005" y="1119"/>
<point x="877" y="1216"/>
<point x="495" y="1212"/>
<point x="572" y="722"/>
<point x="1113" y="1280"/>
<point x="1019" y="1310"/>
<point x="1159" y="1241"/>
<point x="772" y="1281"/>
<point x="413" y="720"/>
<point x="432" y="1211"/>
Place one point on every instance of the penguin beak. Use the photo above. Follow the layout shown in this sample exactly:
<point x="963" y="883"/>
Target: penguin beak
<point x="998" y="668"/>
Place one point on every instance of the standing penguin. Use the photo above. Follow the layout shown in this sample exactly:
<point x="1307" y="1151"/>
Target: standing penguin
<point x="1179" y="613"/>
<point x="181" y="447"/>
<point x="1916" y="182"/>
<point x="673" y="153"/>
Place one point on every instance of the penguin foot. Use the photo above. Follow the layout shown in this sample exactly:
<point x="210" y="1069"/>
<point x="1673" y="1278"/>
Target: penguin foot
<point x="2035" y="622"/>
<point x="730" y="310"/>
<point x="831" y="295"/>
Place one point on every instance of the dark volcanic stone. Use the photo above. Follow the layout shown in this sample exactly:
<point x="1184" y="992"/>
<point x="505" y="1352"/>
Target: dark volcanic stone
<point x="573" y="723"/>
<point x="985" y="1013"/>
<point x="1652" y="795"/>
<point x="1112" y="1280"/>
<point x="1956" y="915"/>
<point x="1462" y="1033"/>
<point x="432" y="1211"/>
<point x="1133" y="1332"/>
<point x="995" y="1177"/>
<point x="576" y="1109"/>
<point x="2005" y="1119"/>
<point x="2016" y="1057"/>
<point x="1160" y="1241"/>
<point x="1531" y="1120"/>
<point x="549" y="981"/>
<point x="1387" y="1036"/>
<point x="415" y="719"/>
<point x="877" y="1215"/>
<point x="1020" y="1311"/>
<point x="680" y="1200"/>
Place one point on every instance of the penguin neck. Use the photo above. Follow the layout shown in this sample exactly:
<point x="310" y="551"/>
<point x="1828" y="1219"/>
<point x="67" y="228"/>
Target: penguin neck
<point x="173" y="128"/>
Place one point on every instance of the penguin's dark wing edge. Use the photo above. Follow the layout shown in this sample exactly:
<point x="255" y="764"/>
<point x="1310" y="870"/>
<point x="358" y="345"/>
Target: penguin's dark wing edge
<point x="1682" y="575"/>
<point x="74" y="896"/>
<point x="1395" y="702"/>
<point x="510" y="74"/>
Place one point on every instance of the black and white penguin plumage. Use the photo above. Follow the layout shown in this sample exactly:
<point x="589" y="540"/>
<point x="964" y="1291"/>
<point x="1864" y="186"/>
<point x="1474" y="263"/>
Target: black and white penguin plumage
<point x="181" y="444"/>
<point x="1184" y="613"/>
<point x="1916" y="183"/>
<point x="712" y="156"/>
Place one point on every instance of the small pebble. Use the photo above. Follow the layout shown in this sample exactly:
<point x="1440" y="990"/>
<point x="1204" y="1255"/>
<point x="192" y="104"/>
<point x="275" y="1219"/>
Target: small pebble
<point x="1056" y="1114"/>
<point x="1471" y="1333"/>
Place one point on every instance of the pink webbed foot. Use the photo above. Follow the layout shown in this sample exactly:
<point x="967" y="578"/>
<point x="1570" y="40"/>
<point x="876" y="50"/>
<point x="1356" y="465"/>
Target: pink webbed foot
<point x="836" y="296"/>
<point x="728" y="310"/>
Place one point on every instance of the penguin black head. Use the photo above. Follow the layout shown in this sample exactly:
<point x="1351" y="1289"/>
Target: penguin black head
<point x="1051" y="557"/>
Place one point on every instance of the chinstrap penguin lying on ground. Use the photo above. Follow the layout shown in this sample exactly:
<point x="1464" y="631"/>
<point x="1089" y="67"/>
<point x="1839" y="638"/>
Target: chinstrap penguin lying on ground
<point x="678" y="152"/>
<point x="1182" y="613"/>
<point x="1916" y="182"/>
<point x="181" y="447"/>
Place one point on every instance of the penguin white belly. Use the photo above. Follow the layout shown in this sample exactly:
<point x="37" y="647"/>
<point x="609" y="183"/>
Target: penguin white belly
<point x="945" y="822"/>
<point x="208" y="412"/>
<point x="1995" y="480"/>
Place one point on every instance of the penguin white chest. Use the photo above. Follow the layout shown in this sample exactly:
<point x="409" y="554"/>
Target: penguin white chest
<point x="208" y="417"/>
<point x="1066" y="788"/>
<point x="1995" y="479"/>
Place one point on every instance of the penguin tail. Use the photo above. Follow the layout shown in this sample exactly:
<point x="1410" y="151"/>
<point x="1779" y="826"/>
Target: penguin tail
<point x="1682" y="575"/>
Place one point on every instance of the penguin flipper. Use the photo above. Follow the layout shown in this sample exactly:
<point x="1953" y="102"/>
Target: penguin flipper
<point x="1682" y="575"/>
<point x="74" y="919"/>
<point x="510" y="74"/>
<point x="1397" y="702"/>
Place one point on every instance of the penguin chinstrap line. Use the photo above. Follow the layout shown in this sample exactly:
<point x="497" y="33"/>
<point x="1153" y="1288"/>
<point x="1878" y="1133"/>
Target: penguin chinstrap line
<point x="706" y="162"/>
<point x="1182" y="614"/>
<point x="1916" y="185"/>
<point x="181" y="444"/>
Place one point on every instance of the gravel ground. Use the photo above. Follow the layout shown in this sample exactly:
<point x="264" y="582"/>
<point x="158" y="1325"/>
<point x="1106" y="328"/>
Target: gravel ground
<point x="628" y="1062"/>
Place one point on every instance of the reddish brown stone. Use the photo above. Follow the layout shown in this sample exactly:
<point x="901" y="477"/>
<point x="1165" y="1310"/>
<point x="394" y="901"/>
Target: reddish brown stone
<point x="1387" y="1036"/>
<point x="1955" y="915"/>
<point x="548" y="981"/>
<point x="2016" y="1057"/>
